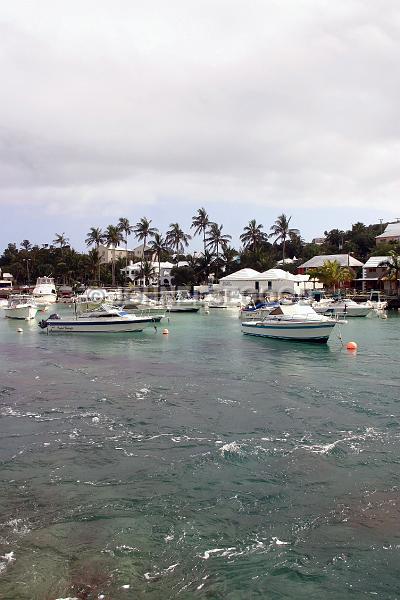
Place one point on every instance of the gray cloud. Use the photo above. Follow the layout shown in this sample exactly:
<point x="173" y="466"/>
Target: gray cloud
<point x="262" y="102"/>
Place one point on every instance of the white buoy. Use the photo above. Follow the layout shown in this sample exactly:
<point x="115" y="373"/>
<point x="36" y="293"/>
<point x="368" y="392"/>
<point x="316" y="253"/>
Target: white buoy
<point x="165" y="332"/>
<point x="20" y="330"/>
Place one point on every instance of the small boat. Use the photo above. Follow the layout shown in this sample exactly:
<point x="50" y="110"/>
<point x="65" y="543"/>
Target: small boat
<point x="223" y="301"/>
<point x="105" y="319"/>
<point x="44" y="291"/>
<point x="180" y="304"/>
<point x="257" y="311"/>
<point x="21" y="306"/>
<point x="347" y="308"/>
<point x="375" y="301"/>
<point x="292" y="322"/>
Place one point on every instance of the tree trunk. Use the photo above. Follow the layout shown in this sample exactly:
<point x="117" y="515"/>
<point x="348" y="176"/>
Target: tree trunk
<point x="159" y="274"/>
<point x="113" y="268"/>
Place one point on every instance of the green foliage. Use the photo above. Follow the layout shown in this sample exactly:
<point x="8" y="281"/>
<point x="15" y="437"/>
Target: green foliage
<point x="331" y="274"/>
<point x="183" y="276"/>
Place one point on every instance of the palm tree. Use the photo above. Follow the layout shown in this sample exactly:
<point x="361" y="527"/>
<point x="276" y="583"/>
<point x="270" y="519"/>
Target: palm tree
<point x="158" y="246"/>
<point x="217" y="240"/>
<point x="126" y="228"/>
<point x="26" y="245"/>
<point x="392" y="268"/>
<point x="61" y="240"/>
<point x="253" y="236"/>
<point x="281" y="231"/>
<point x="229" y="256"/>
<point x="95" y="237"/>
<point x="331" y="274"/>
<point x="147" y="271"/>
<point x="142" y="231"/>
<point x="200" y="222"/>
<point x="177" y="239"/>
<point x="93" y="262"/>
<point x="113" y="237"/>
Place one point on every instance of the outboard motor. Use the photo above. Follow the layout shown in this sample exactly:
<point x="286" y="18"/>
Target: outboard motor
<point x="53" y="317"/>
<point x="43" y="323"/>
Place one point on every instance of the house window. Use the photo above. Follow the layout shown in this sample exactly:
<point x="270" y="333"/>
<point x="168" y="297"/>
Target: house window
<point x="269" y="285"/>
<point x="372" y="270"/>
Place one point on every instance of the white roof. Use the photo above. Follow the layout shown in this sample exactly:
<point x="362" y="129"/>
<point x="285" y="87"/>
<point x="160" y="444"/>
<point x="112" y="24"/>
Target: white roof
<point x="392" y="230"/>
<point x="242" y="275"/>
<point x="278" y="274"/>
<point x="344" y="260"/>
<point x="375" y="261"/>
<point x="287" y="261"/>
<point x="163" y="265"/>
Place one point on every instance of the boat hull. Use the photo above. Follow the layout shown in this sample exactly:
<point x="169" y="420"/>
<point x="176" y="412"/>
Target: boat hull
<point x="183" y="309"/>
<point x="44" y="299"/>
<point x="24" y="313"/>
<point x="305" y="332"/>
<point x="104" y="326"/>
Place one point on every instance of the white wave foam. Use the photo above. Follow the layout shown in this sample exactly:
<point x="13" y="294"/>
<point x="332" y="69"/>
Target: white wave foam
<point x="151" y="576"/>
<point x="6" y="560"/>
<point x="231" y="448"/>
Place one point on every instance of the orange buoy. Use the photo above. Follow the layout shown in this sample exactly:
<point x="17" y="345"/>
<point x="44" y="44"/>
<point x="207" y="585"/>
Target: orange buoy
<point x="351" y="346"/>
<point x="165" y="332"/>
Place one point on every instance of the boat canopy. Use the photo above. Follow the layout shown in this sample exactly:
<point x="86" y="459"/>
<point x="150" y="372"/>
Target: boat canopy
<point x="293" y="309"/>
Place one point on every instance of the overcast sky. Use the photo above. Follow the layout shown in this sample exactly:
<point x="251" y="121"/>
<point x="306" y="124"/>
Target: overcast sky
<point x="251" y="108"/>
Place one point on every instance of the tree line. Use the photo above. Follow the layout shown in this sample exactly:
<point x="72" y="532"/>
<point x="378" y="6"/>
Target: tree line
<point x="259" y="250"/>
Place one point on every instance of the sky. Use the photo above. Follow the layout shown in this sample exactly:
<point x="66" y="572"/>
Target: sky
<point x="250" y="108"/>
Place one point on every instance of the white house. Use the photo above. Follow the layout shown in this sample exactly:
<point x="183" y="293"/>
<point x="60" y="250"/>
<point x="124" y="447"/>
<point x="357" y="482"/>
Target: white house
<point x="6" y="281"/>
<point x="391" y="234"/>
<point x="273" y="283"/>
<point x="133" y="272"/>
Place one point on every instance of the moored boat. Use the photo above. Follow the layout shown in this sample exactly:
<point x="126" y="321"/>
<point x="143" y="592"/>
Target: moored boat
<point x="44" y="291"/>
<point x="292" y="322"/>
<point x="21" y="306"/>
<point x="106" y="319"/>
<point x="347" y="308"/>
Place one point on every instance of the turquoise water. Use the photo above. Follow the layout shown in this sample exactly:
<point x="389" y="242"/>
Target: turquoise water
<point x="203" y="464"/>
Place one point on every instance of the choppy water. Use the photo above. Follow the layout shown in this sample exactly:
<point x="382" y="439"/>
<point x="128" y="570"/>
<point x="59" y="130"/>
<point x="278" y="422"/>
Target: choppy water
<point x="203" y="464"/>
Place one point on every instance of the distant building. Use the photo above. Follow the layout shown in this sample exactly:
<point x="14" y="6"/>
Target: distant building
<point x="287" y="261"/>
<point x="373" y="275"/>
<point x="345" y="260"/>
<point x="319" y="241"/>
<point x="391" y="234"/>
<point x="6" y="281"/>
<point x="272" y="283"/>
<point x="133" y="272"/>
<point x="106" y="253"/>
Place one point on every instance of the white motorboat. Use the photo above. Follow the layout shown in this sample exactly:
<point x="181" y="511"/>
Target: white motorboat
<point x="178" y="303"/>
<point x="45" y="291"/>
<point x="292" y="322"/>
<point x="223" y="301"/>
<point x="375" y="301"/>
<point x="21" y="306"/>
<point x="106" y="319"/>
<point x="347" y="308"/>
